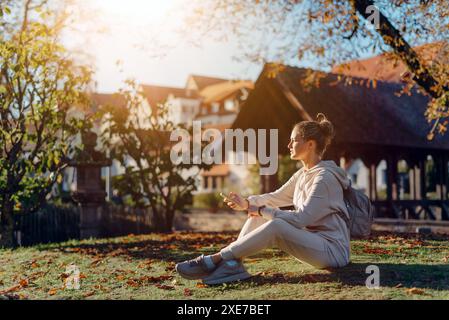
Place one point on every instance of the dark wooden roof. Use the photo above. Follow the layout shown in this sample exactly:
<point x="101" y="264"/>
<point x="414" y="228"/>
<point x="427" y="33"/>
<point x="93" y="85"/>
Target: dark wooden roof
<point x="361" y="115"/>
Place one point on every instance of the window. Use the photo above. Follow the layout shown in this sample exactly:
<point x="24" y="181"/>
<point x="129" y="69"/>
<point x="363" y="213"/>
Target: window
<point x="215" y="107"/>
<point x="229" y="105"/>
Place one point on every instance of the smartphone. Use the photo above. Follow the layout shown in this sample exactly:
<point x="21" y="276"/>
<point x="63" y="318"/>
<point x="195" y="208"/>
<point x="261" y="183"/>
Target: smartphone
<point x="223" y="195"/>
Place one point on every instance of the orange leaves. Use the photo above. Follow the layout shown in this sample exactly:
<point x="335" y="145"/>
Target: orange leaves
<point x="187" y="292"/>
<point x="10" y="289"/>
<point x="52" y="292"/>
<point x="138" y="282"/>
<point x="164" y="287"/>
<point x="415" y="291"/>
<point x="88" y="294"/>
<point x="24" y="283"/>
<point x="133" y="283"/>
<point x="273" y="69"/>
<point x="380" y="251"/>
<point x="201" y="285"/>
<point x="145" y="265"/>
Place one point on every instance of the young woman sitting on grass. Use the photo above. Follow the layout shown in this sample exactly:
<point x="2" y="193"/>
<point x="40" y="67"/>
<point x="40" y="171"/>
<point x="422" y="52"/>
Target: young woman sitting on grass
<point x="313" y="233"/>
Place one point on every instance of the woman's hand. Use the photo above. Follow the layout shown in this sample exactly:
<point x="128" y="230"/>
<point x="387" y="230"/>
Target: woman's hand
<point x="236" y="201"/>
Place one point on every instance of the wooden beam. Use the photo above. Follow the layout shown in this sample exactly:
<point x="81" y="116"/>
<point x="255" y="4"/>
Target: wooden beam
<point x="293" y="100"/>
<point x="392" y="178"/>
<point x="373" y="174"/>
<point x="444" y="176"/>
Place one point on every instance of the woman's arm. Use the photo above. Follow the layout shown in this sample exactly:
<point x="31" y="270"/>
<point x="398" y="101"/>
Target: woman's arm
<point x="282" y="197"/>
<point x="313" y="209"/>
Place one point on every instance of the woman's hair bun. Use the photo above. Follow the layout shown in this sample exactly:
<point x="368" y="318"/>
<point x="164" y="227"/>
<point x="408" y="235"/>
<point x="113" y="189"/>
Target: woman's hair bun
<point x="325" y="125"/>
<point x="320" y="117"/>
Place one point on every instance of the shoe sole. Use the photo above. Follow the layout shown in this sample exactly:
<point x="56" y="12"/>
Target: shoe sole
<point x="190" y="277"/>
<point x="231" y="278"/>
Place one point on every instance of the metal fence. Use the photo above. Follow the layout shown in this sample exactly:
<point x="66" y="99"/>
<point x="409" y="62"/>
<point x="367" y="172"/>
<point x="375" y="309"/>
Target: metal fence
<point x="56" y="223"/>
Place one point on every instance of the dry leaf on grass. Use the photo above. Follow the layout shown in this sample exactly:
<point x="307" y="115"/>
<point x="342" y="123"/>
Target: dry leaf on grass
<point x="10" y="289"/>
<point x="24" y="283"/>
<point x="415" y="291"/>
<point x="89" y="294"/>
<point x="52" y="292"/>
<point x="164" y="287"/>
<point x="187" y="292"/>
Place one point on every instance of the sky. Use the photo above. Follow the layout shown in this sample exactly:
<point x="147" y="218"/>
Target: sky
<point x="135" y="23"/>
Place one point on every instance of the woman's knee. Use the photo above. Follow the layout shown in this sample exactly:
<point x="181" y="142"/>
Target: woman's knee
<point x="276" y="224"/>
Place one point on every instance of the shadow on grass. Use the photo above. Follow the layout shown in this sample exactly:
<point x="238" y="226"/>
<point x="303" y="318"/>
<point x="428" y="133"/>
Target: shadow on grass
<point x="171" y="248"/>
<point x="391" y="275"/>
<point x="181" y="246"/>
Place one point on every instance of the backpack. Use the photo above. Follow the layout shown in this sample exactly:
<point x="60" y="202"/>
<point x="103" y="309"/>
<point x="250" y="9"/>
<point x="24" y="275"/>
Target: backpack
<point x="361" y="212"/>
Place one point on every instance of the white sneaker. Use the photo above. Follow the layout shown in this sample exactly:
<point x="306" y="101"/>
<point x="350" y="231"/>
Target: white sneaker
<point x="227" y="271"/>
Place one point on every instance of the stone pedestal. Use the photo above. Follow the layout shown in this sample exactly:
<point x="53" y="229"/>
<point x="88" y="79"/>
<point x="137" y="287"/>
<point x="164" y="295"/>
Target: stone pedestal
<point x="90" y="192"/>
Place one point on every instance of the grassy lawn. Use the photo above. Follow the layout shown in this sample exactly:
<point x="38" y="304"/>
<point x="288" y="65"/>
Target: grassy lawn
<point x="142" y="267"/>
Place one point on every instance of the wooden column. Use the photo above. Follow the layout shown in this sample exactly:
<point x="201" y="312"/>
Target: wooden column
<point x="373" y="178"/>
<point x="442" y="176"/>
<point x="392" y="178"/>
<point x="412" y="183"/>
<point x="422" y="179"/>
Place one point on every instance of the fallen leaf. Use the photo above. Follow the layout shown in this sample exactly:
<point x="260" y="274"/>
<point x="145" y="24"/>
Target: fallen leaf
<point x="52" y="292"/>
<point x="415" y="291"/>
<point x="156" y="279"/>
<point x="164" y="287"/>
<point x="187" y="292"/>
<point x="132" y="283"/>
<point x="10" y="289"/>
<point x="89" y="294"/>
<point x="96" y="262"/>
<point x="23" y="283"/>
<point x="82" y="276"/>
<point x="201" y="285"/>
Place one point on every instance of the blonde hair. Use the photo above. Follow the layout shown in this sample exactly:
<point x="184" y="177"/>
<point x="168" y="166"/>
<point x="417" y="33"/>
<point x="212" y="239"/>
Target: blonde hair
<point x="321" y="131"/>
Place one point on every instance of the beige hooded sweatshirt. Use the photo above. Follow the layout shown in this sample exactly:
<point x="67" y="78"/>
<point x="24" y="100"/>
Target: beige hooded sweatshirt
<point x="316" y="193"/>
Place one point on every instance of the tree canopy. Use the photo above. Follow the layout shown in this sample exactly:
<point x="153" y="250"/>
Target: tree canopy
<point x="327" y="33"/>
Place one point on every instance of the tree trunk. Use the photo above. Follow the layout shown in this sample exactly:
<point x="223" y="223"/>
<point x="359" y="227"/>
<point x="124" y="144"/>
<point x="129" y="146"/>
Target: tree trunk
<point x="6" y="226"/>
<point x="393" y="38"/>
<point x="162" y="221"/>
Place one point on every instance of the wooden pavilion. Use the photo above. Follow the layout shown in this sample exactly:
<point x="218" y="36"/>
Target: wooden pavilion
<point x="372" y="124"/>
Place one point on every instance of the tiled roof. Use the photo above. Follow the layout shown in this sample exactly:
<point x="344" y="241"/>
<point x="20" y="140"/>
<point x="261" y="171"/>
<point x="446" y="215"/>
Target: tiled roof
<point x="202" y="81"/>
<point x="159" y="94"/>
<point x="220" y="91"/>
<point x="383" y="69"/>
<point x="360" y="114"/>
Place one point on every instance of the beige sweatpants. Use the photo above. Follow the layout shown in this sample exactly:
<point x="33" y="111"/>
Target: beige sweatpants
<point x="258" y="234"/>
